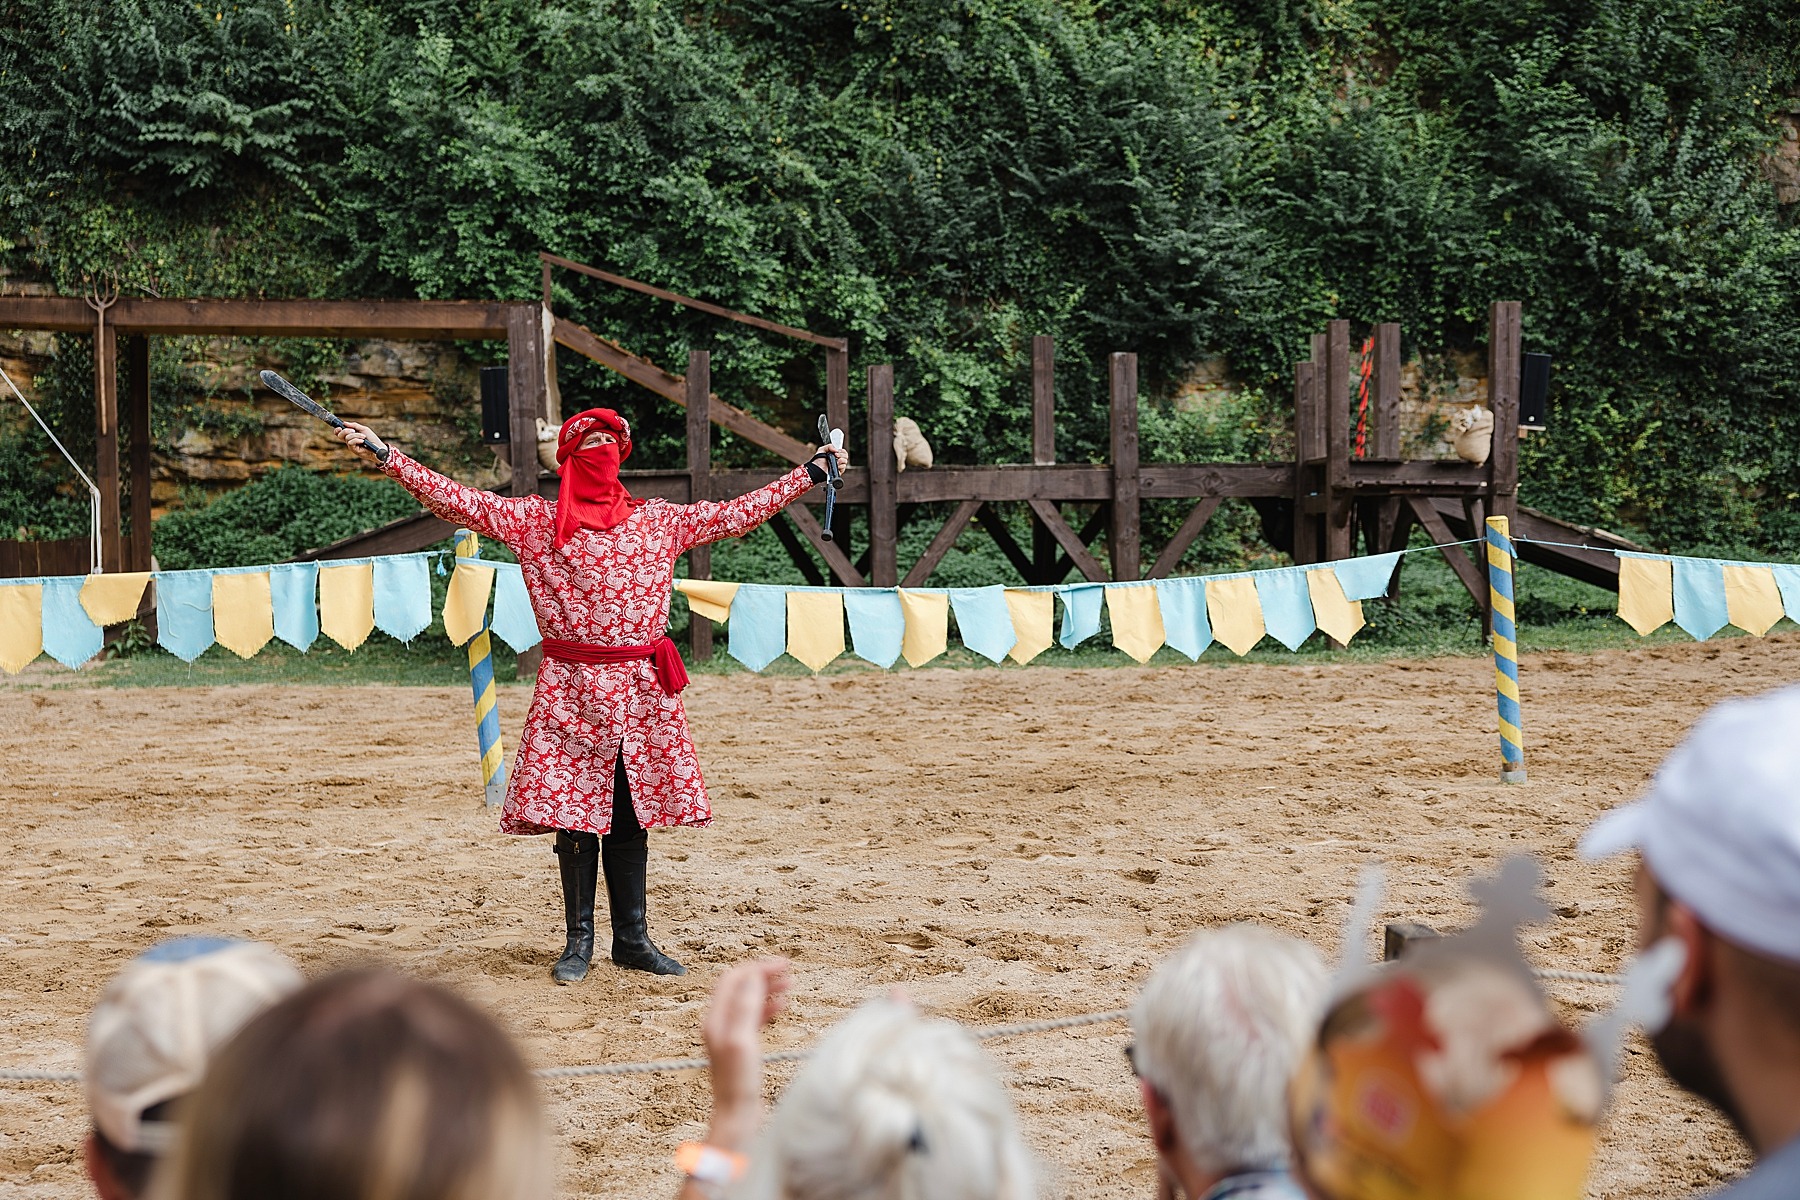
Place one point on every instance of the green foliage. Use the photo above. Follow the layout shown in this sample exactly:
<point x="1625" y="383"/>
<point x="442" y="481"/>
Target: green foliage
<point x="940" y="179"/>
<point x="276" y="517"/>
<point x="38" y="501"/>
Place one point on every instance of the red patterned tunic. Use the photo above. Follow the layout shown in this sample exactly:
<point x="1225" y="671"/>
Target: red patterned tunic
<point x="609" y="588"/>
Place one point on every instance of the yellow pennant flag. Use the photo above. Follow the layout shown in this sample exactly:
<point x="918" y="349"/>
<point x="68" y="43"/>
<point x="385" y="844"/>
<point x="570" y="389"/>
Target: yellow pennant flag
<point x="1337" y="615"/>
<point x="815" y="622"/>
<point x="1752" y="598"/>
<point x="1034" y="623"/>
<point x="347" y="603"/>
<point x="1235" y="612"/>
<point x="21" y="625"/>
<point x="243" y="613"/>
<point x="1646" y="593"/>
<point x="466" y="601"/>
<point x="927" y="633"/>
<point x="711" y="598"/>
<point x="113" y="599"/>
<point x="1137" y="624"/>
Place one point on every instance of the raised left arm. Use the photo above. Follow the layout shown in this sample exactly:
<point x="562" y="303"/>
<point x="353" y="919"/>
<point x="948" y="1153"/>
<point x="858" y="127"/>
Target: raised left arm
<point x="711" y="520"/>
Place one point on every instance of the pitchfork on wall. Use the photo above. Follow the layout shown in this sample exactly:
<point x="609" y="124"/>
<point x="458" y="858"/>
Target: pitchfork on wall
<point x="102" y="294"/>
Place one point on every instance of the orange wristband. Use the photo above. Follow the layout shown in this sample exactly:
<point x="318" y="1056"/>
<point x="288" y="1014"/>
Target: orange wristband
<point x="709" y="1164"/>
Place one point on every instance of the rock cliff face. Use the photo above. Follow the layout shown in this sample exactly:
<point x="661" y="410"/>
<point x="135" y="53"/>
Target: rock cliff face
<point x="1432" y="389"/>
<point x="221" y="427"/>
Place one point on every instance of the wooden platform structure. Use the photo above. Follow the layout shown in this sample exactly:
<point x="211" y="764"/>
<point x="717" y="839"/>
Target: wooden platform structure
<point x="1325" y="504"/>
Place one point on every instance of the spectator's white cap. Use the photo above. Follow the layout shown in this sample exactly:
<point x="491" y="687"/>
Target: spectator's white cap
<point x="1720" y="825"/>
<point x="160" y="1019"/>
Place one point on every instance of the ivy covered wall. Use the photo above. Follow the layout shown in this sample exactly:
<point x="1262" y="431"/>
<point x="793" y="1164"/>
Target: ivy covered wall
<point x="940" y="179"/>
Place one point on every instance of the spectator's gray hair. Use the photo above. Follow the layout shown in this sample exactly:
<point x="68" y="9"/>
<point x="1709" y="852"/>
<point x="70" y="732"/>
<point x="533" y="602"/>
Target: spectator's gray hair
<point x="892" y="1107"/>
<point x="1220" y="1028"/>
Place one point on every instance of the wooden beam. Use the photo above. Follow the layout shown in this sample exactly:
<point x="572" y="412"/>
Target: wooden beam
<point x="1124" y="542"/>
<point x="1175" y="481"/>
<point x="783" y="526"/>
<point x="1503" y="399"/>
<point x="1073" y="546"/>
<point x="1197" y="517"/>
<point x="884" y="512"/>
<point x="1386" y="384"/>
<point x="406" y="535"/>
<point x="1471" y="577"/>
<point x="689" y="302"/>
<point x="137" y="459"/>
<point x="647" y="374"/>
<point x="841" y="566"/>
<point x="995" y="524"/>
<point x="940" y="545"/>
<point x="699" y="464"/>
<point x="1335" y="411"/>
<point x="421" y="320"/>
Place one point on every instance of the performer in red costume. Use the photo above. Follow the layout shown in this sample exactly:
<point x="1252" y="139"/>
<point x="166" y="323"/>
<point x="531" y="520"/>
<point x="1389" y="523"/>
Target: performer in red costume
<point x="605" y="754"/>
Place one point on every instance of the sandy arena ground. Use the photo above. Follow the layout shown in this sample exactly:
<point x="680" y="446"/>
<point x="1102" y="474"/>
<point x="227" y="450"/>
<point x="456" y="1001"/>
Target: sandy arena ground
<point x="1009" y="844"/>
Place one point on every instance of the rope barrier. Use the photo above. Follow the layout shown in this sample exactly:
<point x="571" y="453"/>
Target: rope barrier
<point x="667" y="1065"/>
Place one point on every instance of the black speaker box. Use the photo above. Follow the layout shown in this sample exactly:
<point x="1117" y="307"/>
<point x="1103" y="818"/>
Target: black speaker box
<point x="1534" y="391"/>
<point x="496" y="413"/>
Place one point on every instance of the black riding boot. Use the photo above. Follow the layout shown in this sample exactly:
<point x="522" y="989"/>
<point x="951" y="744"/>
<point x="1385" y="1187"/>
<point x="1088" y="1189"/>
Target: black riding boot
<point x="625" y="856"/>
<point x="578" y="854"/>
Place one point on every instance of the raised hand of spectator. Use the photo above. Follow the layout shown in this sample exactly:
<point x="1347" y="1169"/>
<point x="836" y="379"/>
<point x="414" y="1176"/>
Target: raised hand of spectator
<point x="746" y="998"/>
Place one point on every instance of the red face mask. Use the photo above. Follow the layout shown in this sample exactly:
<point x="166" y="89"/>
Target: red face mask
<point x="591" y="496"/>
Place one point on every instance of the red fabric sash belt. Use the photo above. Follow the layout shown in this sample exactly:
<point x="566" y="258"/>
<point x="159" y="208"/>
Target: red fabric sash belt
<point x="670" y="671"/>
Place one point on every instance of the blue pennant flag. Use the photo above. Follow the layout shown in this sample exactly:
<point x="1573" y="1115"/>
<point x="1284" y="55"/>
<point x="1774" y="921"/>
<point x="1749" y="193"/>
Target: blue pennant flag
<point x="1787" y="579"/>
<point x="70" y="636"/>
<point x="403" y="595"/>
<point x="984" y="620"/>
<point x="1700" y="596"/>
<point x="1363" y="578"/>
<point x="757" y="630"/>
<point x="184" y="617"/>
<point x="294" y="592"/>
<point x="1081" y="613"/>
<point x="513" y="623"/>
<point x="877" y="625"/>
<point x="1286" y="605"/>
<point x="1185" y="624"/>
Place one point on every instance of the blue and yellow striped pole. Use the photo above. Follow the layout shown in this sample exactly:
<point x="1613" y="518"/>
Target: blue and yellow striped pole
<point x="481" y="682"/>
<point x="1506" y="649"/>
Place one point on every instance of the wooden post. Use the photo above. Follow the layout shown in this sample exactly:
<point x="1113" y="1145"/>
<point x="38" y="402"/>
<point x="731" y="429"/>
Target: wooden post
<point x="137" y="406"/>
<point x="1125" y="483"/>
<point x="1043" y="449"/>
<point x="1312" y="444"/>
<point x="1503" y="399"/>
<point x="699" y="462"/>
<point x="884" y="512"/>
<point x="837" y="389"/>
<point x="524" y="392"/>
<point x="1043" y="400"/>
<point x="525" y="400"/>
<point x="1335" y="409"/>
<point x="1387" y="390"/>
<point x="106" y="444"/>
<point x="1306" y="449"/>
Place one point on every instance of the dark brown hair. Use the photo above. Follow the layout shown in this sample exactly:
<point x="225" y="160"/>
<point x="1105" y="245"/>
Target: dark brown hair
<point x="363" y="1086"/>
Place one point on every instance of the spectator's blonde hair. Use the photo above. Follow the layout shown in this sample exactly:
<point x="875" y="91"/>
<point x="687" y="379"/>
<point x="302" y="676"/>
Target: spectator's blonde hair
<point x="1220" y="1028"/>
<point x="892" y="1107"/>
<point x="363" y="1086"/>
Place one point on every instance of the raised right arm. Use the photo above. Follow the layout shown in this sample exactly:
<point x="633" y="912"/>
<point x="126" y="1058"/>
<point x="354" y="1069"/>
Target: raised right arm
<point x="503" y="518"/>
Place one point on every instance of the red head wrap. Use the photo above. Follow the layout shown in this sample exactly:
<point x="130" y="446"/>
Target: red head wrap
<point x="591" y="496"/>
